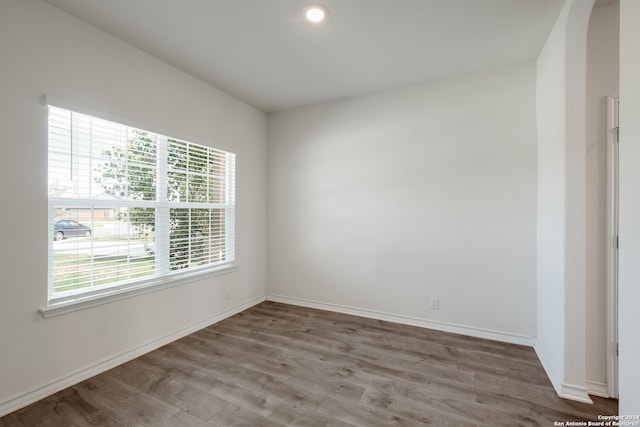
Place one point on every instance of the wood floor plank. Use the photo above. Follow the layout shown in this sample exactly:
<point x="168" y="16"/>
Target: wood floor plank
<point x="182" y="419"/>
<point x="160" y="383"/>
<point x="281" y="365"/>
<point x="361" y="415"/>
<point x="286" y="389"/>
<point x="292" y="414"/>
<point x="108" y="391"/>
<point x="236" y="416"/>
<point x="77" y="410"/>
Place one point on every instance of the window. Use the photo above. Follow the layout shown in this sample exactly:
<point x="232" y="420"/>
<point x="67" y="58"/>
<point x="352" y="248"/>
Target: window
<point x="131" y="209"/>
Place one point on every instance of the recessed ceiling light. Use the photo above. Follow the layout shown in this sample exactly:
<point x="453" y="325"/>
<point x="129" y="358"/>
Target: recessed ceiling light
<point x="316" y="13"/>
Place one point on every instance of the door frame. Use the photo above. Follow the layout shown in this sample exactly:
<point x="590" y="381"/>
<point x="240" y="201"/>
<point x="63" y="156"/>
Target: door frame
<point x="613" y="104"/>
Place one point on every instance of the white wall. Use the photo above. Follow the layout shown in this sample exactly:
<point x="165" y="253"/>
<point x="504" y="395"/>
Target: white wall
<point x="629" y="274"/>
<point x="378" y="202"/>
<point x="43" y="50"/>
<point x="602" y="80"/>
<point x="561" y="124"/>
<point x="550" y="201"/>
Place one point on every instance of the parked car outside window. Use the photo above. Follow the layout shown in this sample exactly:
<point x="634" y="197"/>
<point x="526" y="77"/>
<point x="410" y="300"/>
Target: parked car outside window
<point x="69" y="228"/>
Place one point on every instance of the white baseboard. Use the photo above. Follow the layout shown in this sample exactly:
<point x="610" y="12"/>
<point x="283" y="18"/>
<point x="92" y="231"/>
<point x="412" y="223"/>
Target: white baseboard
<point x="408" y="320"/>
<point x="597" y="388"/>
<point x="575" y="392"/>
<point x="23" y="400"/>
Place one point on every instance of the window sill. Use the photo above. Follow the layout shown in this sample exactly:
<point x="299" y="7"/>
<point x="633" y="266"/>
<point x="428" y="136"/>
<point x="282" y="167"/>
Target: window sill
<point x="81" y="303"/>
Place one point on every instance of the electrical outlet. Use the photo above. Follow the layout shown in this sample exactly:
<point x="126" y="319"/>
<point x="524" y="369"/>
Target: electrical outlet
<point x="227" y="294"/>
<point x="434" y="303"/>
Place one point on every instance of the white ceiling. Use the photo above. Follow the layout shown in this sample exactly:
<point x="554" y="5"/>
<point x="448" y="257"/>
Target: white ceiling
<point x="263" y="52"/>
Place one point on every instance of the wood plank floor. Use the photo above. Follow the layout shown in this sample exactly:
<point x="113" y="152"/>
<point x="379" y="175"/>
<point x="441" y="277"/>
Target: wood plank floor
<point x="282" y="365"/>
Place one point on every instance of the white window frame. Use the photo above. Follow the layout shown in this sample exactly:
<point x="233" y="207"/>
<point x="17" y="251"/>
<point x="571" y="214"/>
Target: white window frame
<point x="61" y="303"/>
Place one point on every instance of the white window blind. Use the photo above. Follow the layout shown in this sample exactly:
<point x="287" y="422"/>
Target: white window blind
<point x="131" y="208"/>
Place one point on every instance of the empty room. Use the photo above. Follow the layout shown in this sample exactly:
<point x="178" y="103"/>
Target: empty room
<point x="340" y="213"/>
